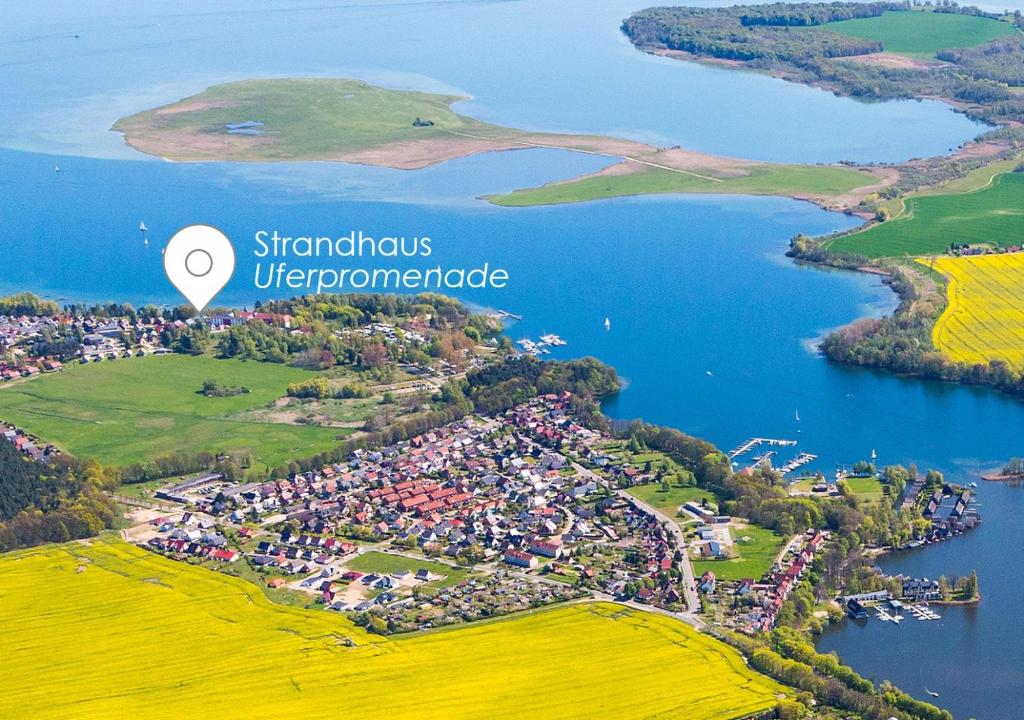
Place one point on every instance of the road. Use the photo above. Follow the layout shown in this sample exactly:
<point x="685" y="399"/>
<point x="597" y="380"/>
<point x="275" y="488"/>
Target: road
<point x="689" y="582"/>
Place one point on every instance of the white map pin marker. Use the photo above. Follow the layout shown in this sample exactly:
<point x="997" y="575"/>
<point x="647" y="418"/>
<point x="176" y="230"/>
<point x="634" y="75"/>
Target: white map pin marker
<point x="199" y="260"/>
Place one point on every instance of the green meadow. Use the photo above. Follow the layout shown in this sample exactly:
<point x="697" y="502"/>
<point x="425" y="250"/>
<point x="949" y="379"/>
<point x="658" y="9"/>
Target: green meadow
<point x="755" y="547"/>
<point x="784" y="180"/>
<point x="929" y="223"/>
<point x="386" y="563"/>
<point x="669" y="500"/>
<point x="302" y="119"/>
<point x="921" y="34"/>
<point x="864" y="488"/>
<point x="134" y="410"/>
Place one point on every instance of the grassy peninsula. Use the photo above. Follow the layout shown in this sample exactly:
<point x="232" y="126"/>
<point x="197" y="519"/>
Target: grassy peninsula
<point x="827" y="185"/>
<point x="345" y="120"/>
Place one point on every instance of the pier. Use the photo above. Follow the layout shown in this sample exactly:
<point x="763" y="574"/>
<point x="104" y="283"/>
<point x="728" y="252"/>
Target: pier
<point x="748" y="445"/>
<point x="797" y="462"/>
<point x="923" y="612"/>
<point x="763" y="458"/>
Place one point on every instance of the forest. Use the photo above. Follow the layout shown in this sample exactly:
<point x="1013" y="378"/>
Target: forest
<point x="59" y="500"/>
<point x="794" y="42"/>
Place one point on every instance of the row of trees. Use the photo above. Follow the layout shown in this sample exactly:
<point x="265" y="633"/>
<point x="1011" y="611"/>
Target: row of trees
<point x="823" y="679"/>
<point x="27" y="304"/>
<point x="321" y="388"/>
<point x="174" y="465"/>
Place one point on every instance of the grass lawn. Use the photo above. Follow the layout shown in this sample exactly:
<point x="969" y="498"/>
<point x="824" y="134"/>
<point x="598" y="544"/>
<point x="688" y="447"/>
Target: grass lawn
<point x="993" y="215"/>
<point x="922" y="34"/>
<point x="867" y="488"/>
<point x="385" y="563"/>
<point x="667" y="502"/>
<point x="133" y="410"/>
<point x="303" y="119"/>
<point x="144" y="489"/>
<point x="126" y="633"/>
<point x="754" y="558"/>
<point x="784" y="180"/>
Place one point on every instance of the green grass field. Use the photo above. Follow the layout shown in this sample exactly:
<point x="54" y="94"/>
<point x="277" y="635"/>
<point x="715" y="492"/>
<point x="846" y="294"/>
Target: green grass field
<point x="303" y="119"/>
<point x="133" y="410"/>
<point x="993" y="215"/>
<point x="378" y="562"/>
<point x="667" y="502"/>
<point x="865" y="488"/>
<point x="784" y="180"/>
<point x="755" y="556"/>
<point x="108" y="630"/>
<point x="922" y="34"/>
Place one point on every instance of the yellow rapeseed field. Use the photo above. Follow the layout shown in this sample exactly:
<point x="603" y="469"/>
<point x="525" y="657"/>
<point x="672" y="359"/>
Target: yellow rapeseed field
<point x="110" y="631"/>
<point x="985" y="316"/>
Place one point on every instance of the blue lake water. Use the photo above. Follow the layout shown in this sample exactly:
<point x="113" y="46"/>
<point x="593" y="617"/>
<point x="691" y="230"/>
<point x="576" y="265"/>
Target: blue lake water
<point x="712" y="327"/>
<point x="539" y="65"/>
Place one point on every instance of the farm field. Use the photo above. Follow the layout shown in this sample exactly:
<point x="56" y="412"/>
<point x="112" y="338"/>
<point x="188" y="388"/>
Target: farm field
<point x="131" y="634"/>
<point x="784" y="180"/>
<point x="993" y="215"/>
<point x="922" y="34"/>
<point x="133" y="410"/>
<point x="984" y="319"/>
<point x="756" y="554"/>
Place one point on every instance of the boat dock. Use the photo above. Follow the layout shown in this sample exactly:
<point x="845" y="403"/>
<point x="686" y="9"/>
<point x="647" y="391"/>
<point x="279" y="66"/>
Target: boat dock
<point x="923" y="612"/>
<point x="748" y="445"/>
<point x="887" y="617"/>
<point x="541" y="347"/>
<point x="763" y="457"/>
<point x="797" y="462"/>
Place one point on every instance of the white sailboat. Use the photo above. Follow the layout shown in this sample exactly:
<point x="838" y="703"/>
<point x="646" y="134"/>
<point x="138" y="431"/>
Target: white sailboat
<point x="144" y="230"/>
<point x="607" y="324"/>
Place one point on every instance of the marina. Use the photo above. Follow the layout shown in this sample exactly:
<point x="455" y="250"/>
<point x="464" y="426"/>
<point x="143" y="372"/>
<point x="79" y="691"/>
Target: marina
<point x="798" y="462"/>
<point x="541" y="346"/>
<point x="888" y="610"/>
<point x="748" y="445"/>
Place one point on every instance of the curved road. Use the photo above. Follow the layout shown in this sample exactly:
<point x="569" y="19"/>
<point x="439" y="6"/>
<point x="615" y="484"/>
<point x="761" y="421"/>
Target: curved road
<point x="689" y="582"/>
